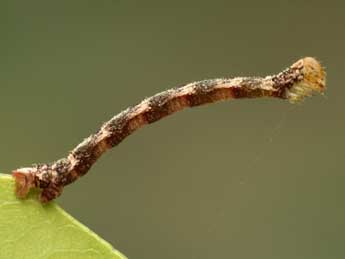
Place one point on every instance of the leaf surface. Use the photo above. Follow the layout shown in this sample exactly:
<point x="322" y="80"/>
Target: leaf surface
<point x="29" y="229"/>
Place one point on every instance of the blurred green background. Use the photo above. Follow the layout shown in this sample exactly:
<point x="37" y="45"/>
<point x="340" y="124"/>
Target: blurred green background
<point x="241" y="179"/>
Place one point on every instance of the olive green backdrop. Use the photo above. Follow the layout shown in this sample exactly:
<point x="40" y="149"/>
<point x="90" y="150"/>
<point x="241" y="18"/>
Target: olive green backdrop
<point x="240" y="179"/>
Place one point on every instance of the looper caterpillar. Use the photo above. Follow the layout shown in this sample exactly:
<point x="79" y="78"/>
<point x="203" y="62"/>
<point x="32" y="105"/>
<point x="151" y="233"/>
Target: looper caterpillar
<point x="294" y="83"/>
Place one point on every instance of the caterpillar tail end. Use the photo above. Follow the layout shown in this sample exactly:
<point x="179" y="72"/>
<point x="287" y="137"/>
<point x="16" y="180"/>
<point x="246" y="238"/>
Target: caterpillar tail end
<point x="24" y="180"/>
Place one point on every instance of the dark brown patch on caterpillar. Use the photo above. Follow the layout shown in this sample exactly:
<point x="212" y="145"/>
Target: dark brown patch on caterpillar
<point x="159" y="107"/>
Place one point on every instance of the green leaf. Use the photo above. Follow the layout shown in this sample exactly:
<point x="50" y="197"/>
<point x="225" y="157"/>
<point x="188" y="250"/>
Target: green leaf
<point x="29" y="229"/>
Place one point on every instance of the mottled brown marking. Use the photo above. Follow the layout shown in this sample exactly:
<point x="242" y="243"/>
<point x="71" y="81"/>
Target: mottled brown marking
<point x="51" y="192"/>
<point x="136" y="122"/>
<point x="179" y="102"/>
<point x="158" y="107"/>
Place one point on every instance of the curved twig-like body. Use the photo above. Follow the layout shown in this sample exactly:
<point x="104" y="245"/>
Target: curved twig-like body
<point x="294" y="83"/>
